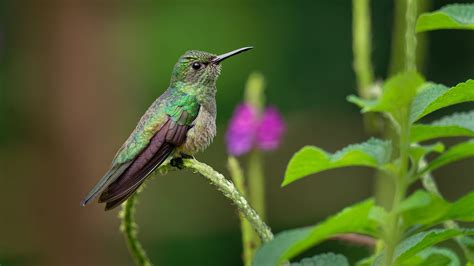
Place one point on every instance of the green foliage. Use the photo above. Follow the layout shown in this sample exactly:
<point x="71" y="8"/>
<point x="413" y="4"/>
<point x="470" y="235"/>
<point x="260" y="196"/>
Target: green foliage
<point x="428" y="209"/>
<point x="328" y="259"/>
<point x="398" y="93"/>
<point x="458" y="152"/>
<point x="271" y="252"/>
<point x="434" y="257"/>
<point x="405" y="99"/>
<point x="433" y="97"/>
<point x="417" y="243"/>
<point x="456" y="16"/>
<point x="288" y="244"/>
<point x="455" y="125"/>
<point x="311" y="160"/>
<point x="422" y="208"/>
<point x="418" y="152"/>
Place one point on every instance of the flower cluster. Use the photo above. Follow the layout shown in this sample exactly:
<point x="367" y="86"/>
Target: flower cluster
<point x="248" y="130"/>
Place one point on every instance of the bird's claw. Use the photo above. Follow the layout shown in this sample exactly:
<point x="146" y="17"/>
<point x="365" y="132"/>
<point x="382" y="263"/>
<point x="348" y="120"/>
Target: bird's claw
<point x="177" y="162"/>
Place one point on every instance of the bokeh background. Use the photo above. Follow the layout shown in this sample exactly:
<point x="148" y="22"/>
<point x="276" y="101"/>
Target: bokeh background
<point x="75" y="76"/>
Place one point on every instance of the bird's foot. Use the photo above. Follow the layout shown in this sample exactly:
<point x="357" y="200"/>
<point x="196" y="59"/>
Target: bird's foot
<point x="177" y="162"/>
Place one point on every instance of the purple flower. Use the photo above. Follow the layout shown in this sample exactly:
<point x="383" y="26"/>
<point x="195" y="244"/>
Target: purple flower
<point x="247" y="130"/>
<point x="242" y="128"/>
<point x="270" y="130"/>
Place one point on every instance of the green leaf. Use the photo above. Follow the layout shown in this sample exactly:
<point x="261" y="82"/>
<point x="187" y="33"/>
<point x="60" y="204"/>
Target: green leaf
<point x="456" y="16"/>
<point x="288" y="244"/>
<point x="366" y="261"/>
<point x="426" y="95"/>
<point x="419" y="242"/>
<point x="378" y="214"/>
<point x="417" y="152"/>
<point x="455" y="125"/>
<point x="311" y="160"/>
<point x="398" y="92"/>
<point x="457" y="152"/>
<point x="462" y="209"/>
<point x="270" y="253"/>
<point x="433" y="97"/>
<point x="434" y="257"/>
<point x="468" y="243"/>
<point x="328" y="259"/>
<point x="423" y="208"/>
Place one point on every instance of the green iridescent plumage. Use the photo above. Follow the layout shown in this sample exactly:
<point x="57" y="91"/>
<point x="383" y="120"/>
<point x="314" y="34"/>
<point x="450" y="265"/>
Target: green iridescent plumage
<point x="181" y="121"/>
<point x="170" y="105"/>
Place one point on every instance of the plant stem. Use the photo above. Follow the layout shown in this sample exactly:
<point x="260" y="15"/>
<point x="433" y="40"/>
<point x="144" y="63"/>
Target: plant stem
<point x="256" y="182"/>
<point x="394" y="230"/>
<point x="247" y="231"/>
<point x="254" y="95"/>
<point x="361" y="46"/>
<point x="129" y="229"/>
<point x="397" y="54"/>
<point x="364" y="73"/>
<point x="228" y="190"/>
<point x="398" y="46"/>
<point x="410" y="36"/>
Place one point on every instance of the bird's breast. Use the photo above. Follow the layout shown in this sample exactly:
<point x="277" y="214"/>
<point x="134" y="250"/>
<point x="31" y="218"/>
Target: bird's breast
<point x="200" y="136"/>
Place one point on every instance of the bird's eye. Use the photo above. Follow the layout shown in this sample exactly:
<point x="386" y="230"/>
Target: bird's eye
<point x="196" y="65"/>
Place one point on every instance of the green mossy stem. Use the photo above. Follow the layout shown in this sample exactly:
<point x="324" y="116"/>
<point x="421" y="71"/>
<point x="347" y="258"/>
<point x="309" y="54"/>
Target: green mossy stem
<point x="229" y="191"/>
<point x="129" y="227"/>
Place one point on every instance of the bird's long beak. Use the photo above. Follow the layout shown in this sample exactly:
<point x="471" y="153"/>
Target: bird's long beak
<point x="222" y="57"/>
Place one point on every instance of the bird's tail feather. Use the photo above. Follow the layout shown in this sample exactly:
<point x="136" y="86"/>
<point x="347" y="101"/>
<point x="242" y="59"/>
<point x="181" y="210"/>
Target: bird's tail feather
<point x="106" y="180"/>
<point x="120" y="190"/>
<point x="114" y="203"/>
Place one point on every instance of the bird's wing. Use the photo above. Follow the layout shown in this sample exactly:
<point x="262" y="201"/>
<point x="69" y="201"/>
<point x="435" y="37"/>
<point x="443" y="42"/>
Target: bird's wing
<point x="133" y="146"/>
<point x="171" y="135"/>
<point x="138" y="157"/>
<point x="106" y="180"/>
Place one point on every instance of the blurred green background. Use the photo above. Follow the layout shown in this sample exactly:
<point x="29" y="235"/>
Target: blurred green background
<point x="75" y="76"/>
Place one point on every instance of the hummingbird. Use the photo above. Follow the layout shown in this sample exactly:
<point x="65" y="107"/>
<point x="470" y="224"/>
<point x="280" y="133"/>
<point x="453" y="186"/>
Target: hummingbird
<point x="179" y="123"/>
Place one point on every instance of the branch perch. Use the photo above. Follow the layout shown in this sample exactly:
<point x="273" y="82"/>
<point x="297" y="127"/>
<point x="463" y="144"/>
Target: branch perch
<point x="129" y="229"/>
<point x="228" y="189"/>
<point x="128" y="226"/>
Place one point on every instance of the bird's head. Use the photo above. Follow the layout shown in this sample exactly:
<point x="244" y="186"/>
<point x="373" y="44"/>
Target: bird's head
<point x="200" y="68"/>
